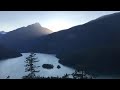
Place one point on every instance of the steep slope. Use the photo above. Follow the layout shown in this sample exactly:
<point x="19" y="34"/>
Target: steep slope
<point x="95" y="44"/>
<point x="17" y="39"/>
<point x="99" y="48"/>
<point x="6" y="53"/>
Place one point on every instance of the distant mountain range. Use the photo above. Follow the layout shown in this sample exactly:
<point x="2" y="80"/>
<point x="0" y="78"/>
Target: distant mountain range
<point x="18" y="39"/>
<point x="95" y="45"/>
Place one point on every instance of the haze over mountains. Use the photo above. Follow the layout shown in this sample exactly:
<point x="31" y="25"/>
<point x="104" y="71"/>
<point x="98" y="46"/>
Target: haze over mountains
<point x="95" y="44"/>
<point x="17" y="39"/>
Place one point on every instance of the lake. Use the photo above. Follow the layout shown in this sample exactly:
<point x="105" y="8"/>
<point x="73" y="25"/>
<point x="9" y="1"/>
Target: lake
<point x="15" y="67"/>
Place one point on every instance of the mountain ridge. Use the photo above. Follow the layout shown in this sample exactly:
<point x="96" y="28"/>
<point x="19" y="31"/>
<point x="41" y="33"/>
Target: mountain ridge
<point x="17" y="38"/>
<point x="95" y="44"/>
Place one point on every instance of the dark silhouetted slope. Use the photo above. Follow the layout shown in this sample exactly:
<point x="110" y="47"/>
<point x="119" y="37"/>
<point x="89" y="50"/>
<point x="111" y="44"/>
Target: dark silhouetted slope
<point x="18" y="39"/>
<point x="6" y="53"/>
<point x="2" y="33"/>
<point x="95" y="44"/>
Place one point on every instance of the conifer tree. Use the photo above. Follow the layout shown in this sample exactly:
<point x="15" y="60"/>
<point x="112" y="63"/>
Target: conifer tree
<point x="31" y="67"/>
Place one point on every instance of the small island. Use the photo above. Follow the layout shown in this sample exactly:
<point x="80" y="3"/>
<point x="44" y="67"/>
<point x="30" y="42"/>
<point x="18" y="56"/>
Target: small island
<point x="58" y="67"/>
<point x="48" y="66"/>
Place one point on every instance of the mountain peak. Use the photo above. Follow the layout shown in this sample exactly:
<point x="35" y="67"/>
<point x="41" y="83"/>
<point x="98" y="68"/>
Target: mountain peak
<point x="35" y="25"/>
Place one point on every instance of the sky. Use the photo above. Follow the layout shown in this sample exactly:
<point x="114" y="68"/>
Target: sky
<point x="53" y="20"/>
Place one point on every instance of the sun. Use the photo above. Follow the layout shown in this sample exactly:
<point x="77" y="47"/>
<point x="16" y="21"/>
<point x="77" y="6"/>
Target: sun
<point x="57" y="25"/>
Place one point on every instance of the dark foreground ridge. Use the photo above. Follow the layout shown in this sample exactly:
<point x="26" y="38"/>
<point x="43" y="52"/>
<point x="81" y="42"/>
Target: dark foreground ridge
<point x="96" y="45"/>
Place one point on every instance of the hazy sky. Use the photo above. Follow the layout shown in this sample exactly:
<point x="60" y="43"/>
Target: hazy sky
<point x="54" y="20"/>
